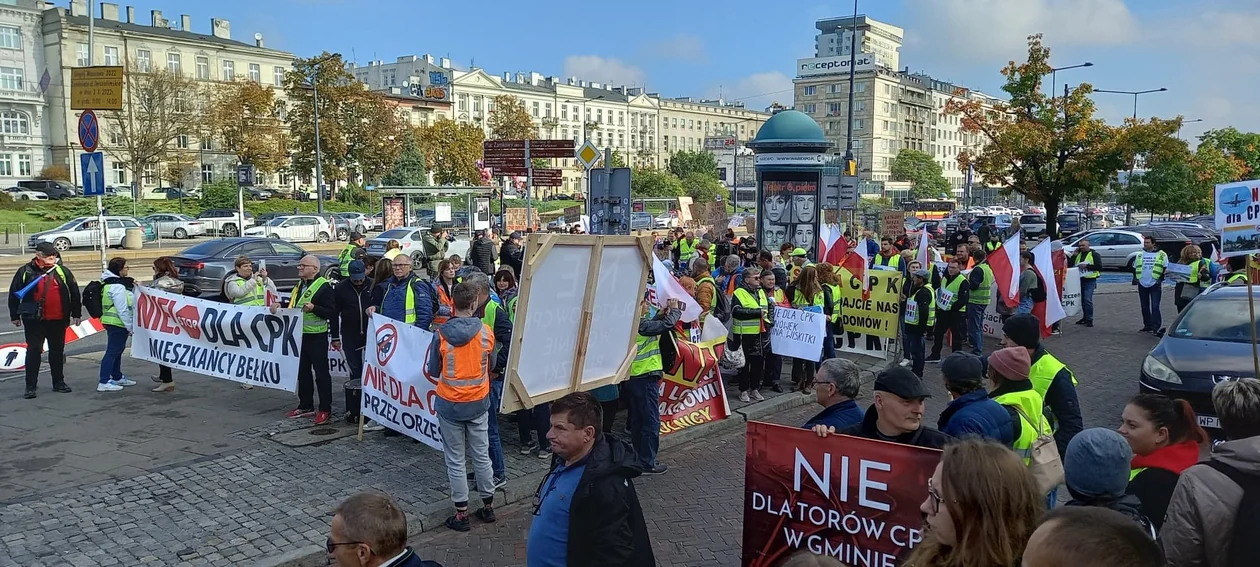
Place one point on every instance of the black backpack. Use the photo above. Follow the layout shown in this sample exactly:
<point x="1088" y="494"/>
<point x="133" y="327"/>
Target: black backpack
<point x="1244" y="546"/>
<point x="92" y="299"/>
<point x="1038" y="294"/>
<point x="721" y="307"/>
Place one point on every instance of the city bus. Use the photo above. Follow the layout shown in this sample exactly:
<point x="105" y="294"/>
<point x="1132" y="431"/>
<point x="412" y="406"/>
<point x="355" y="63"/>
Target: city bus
<point x="929" y="209"/>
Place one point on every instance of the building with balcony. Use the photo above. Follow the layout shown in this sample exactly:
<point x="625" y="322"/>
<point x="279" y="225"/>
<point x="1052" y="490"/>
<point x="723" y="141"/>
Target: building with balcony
<point x="120" y="39"/>
<point x="24" y="119"/>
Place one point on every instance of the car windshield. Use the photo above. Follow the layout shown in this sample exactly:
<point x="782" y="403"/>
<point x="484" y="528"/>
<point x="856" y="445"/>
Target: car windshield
<point x="397" y="233"/>
<point x="1215" y="320"/>
<point x="208" y="248"/>
<point x="70" y="225"/>
<point x="276" y="221"/>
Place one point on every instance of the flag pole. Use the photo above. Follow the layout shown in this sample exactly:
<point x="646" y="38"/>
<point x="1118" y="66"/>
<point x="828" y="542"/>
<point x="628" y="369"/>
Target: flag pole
<point x="1251" y="305"/>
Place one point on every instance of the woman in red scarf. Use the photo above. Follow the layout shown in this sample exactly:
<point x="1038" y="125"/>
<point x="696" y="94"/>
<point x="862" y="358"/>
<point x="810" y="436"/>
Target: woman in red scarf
<point x="1166" y="439"/>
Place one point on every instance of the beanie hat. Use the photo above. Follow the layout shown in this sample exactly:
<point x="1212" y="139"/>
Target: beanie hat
<point x="1097" y="463"/>
<point x="1024" y="330"/>
<point x="1013" y="363"/>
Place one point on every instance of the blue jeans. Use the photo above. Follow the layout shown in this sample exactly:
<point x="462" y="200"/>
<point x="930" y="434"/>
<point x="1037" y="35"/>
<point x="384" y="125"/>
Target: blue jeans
<point x="1025" y="306"/>
<point x="111" y="363"/>
<point x="1149" y="297"/>
<point x="496" y="447"/>
<point x="645" y="432"/>
<point x="1088" y="285"/>
<point x="975" y="327"/>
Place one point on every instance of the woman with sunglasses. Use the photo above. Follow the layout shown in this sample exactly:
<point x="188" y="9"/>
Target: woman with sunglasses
<point x="981" y="508"/>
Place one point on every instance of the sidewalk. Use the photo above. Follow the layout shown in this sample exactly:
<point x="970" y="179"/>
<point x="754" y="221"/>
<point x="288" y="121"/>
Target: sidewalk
<point x="211" y="474"/>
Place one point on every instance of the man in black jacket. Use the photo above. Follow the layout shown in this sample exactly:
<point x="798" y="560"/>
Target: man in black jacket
<point x="44" y="311"/>
<point x="482" y="253"/>
<point x="512" y="253"/>
<point x="587" y="510"/>
<point x="353" y="296"/>
<point x="896" y="415"/>
<point x="315" y="297"/>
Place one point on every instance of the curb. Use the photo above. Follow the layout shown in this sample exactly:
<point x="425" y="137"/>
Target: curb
<point x="434" y="515"/>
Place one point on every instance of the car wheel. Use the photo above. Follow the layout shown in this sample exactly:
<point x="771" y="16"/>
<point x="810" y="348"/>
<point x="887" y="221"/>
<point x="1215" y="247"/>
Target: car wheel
<point x="62" y="244"/>
<point x="1129" y="268"/>
<point x="230" y="231"/>
<point x="25" y="198"/>
<point x="342" y="234"/>
<point x="275" y="236"/>
<point x="181" y="233"/>
<point x="323" y="237"/>
<point x="333" y="275"/>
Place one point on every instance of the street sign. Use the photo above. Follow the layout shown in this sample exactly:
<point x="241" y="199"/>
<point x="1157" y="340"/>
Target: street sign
<point x="587" y="155"/>
<point x="548" y="178"/>
<point x="89" y="131"/>
<point x="245" y="175"/>
<point x="848" y="192"/>
<point x="503" y="146"/>
<point x="521" y="171"/>
<point x="610" y="201"/>
<point x="369" y="187"/>
<point x="495" y="162"/>
<point x="99" y="88"/>
<point x="550" y="148"/>
<point x="93" y="164"/>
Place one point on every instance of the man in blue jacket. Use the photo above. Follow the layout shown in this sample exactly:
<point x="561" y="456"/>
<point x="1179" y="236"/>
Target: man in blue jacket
<point x="406" y="297"/>
<point x="837" y="384"/>
<point x="970" y="412"/>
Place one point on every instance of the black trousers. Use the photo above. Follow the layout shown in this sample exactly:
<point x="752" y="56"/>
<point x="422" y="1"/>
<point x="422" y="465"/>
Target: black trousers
<point x="955" y="322"/>
<point x="38" y="331"/>
<point x="352" y="348"/>
<point x="164" y="374"/>
<point x="314" y="358"/>
<point x="774" y="369"/>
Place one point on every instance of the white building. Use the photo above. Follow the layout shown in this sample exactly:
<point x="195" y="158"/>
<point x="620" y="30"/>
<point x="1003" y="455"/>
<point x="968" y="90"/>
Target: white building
<point x="120" y="39"/>
<point x="24" y="120"/>
<point x="423" y="78"/>
<point x="835" y="35"/>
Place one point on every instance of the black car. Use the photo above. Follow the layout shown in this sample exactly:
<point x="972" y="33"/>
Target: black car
<point x="205" y="267"/>
<point x="1208" y="343"/>
<point x="54" y="189"/>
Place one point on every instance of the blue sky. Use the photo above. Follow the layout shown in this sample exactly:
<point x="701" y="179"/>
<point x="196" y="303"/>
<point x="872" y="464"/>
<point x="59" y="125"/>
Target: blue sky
<point x="1206" y="52"/>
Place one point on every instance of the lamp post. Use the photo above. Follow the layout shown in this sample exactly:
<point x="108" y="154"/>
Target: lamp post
<point x="319" y="170"/>
<point x="1183" y="123"/>
<point x="1054" y="79"/>
<point x="848" y="144"/>
<point x="1128" y="210"/>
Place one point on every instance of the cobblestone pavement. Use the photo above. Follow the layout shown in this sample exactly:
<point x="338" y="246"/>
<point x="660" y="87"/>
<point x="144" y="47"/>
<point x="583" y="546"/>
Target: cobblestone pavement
<point x="268" y="491"/>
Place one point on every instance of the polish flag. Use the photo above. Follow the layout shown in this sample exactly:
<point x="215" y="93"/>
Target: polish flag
<point x="832" y="246"/>
<point x="1005" y="265"/>
<point x="922" y="253"/>
<point x="856" y="261"/>
<point x="1049" y="311"/>
<point x="668" y="288"/>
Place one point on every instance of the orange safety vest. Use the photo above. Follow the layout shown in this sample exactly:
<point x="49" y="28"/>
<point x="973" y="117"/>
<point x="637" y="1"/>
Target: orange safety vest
<point x="466" y="368"/>
<point x="443" y="299"/>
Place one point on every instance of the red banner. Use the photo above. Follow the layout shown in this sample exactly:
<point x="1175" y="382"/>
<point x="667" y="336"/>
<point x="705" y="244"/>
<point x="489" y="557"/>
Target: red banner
<point x="688" y="406"/>
<point x="854" y="499"/>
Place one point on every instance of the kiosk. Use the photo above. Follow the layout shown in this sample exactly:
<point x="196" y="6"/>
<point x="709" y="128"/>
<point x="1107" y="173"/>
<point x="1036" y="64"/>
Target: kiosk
<point x="790" y="157"/>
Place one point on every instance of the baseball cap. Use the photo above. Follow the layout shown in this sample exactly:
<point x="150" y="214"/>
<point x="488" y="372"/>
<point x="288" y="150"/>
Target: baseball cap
<point x="516" y="235"/>
<point x="46" y="248"/>
<point x="901" y="382"/>
<point x="355" y="236"/>
<point x="798" y="252"/>
<point x="357" y="272"/>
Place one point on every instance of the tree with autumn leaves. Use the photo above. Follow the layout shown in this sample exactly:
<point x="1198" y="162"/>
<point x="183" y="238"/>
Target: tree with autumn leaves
<point x="245" y="117"/>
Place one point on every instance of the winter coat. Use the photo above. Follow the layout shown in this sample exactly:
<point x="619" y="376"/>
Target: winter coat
<point x="1200" y="521"/>
<point x="606" y="525"/>
<point x="121" y="292"/>
<point x="458" y="332"/>
<point x="975" y="415"/>
<point x="1160" y="470"/>
<point x="434" y="252"/>
<point x="325" y="306"/>
<point x="391" y="300"/>
<point x="753" y="345"/>
<point x="352" y="303"/>
<point x="411" y="559"/>
<point x="839" y="415"/>
<point x="923" y="437"/>
<point x="27" y="307"/>
<point x="481" y="255"/>
<point x="169" y="284"/>
<point x="512" y="254"/>
<point x="1126" y="504"/>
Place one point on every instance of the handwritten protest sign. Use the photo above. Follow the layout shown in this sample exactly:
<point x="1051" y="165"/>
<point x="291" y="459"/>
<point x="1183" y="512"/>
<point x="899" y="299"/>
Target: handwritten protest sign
<point x="854" y="499"/>
<point x="239" y="343"/>
<point x="797" y="333"/>
<point x="397" y="389"/>
<point x="875" y="312"/>
<point x="688" y="406"/>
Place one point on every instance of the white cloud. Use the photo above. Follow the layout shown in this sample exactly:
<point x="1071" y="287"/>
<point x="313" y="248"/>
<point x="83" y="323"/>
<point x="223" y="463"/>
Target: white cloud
<point x="758" y="90"/>
<point x="603" y="70"/>
<point x="985" y="30"/>
<point x="683" y="47"/>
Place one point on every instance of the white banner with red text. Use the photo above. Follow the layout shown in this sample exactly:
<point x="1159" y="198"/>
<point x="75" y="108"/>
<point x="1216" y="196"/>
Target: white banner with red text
<point x="397" y="389"/>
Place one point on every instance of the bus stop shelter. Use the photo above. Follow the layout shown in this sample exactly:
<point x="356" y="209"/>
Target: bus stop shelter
<point x="398" y="203"/>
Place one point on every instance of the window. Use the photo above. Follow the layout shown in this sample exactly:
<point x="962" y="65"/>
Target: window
<point x="534" y="110"/>
<point x="114" y="138"/>
<point x="547" y="110"/>
<point x="858" y="124"/>
<point x="229" y="70"/>
<point x="6" y="165"/>
<point x="207" y="173"/>
<point x="10" y="38"/>
<point x="811" y="108"/>
<point x="203" y="68"/>
<point x="207" y="143"/>
<point x="10" y="78"/>
<point x="564" y="113"/>
<point x="24" y="165"/>
<point x="120" y="173"/>
<point x="859" y="88"/>
<point x="181" y="141"/>
<point x="81" y="55"/>
<point x="173" y="61"/>
<point x="833" y="88"/>
<point x="12" y="122"/>
<point x="861" y="105"/>
<point x="255" y="73"/>
<point x="833" y="109"/>
<point x="278" y="75"/>
<point x="810" y="90"/>
<point x="150" y="174"/>
<point x="143" y="60"/>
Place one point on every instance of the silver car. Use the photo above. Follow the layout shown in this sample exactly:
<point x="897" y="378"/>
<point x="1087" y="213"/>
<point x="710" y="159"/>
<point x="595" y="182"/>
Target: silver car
<point x="174" y="225"/>
<point x="358" y="222"/>
<point x="85" y="232"/>
<point x="1114" y="247"/>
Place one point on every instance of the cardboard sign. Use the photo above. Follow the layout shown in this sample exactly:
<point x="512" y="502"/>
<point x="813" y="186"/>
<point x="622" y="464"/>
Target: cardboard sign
<point x="874" y="311"/>
<point x="397" y="389"/>
<point x="798" y="333"/>
<point x="894" y="224"/>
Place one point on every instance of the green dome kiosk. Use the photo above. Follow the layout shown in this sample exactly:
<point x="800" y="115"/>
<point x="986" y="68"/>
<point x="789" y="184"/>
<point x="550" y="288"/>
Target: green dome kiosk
<point x="791" y="155"/>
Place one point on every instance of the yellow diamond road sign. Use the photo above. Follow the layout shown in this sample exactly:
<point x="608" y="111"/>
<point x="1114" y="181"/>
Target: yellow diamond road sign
<point x="588" y="154"/>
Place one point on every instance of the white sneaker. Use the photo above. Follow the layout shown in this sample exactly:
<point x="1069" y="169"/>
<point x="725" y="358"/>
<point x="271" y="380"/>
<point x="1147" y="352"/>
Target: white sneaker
<point x="372" y="426"/>
<point x="757" y="397"/>
<point x="743" y="397"/>
<point x="124" y="381"/>
<point x="905" y="362"/>
<point x="108" y="387"/>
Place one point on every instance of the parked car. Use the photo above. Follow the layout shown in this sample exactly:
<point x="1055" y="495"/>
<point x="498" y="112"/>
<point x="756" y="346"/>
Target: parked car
<point x="20" y="194"/>
<point x="341" y="227"/>
<point x="150" y="230"/>
<point x="257" y="193"/>
<point x="295" y="228"/>
<point x="204" y="267"/>
<point x="1114" y="247"/>
<point x="1207" y="343"/>
<point x="1002" y="222"/>
<point x="934" y="229"/>
<point x="225" y="222"/>
<point x="666" y="220"/>
<point x="1070" y="223"/>
<point x="51" y="187"/>
<point x="171" y="193"/>
<point x="115" y="191"/>
<point x="174" y="225"/>
<point x="359" y="222"/>
<point x="409" y="238"/>
<point x="85" y="232"/>
<point x="1032" y="226"/>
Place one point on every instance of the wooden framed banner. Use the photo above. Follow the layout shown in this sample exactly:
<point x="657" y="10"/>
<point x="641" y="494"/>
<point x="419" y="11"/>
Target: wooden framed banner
<point x="577" y="316"/>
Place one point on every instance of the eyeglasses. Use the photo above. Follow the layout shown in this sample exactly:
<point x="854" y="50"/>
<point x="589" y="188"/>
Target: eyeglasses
<point x="330" y="545"/>
<point x="935" y="495"/>
<point x="308" y="266"/>
<point x="397" y="265"/>
<point x="818" y="383"/>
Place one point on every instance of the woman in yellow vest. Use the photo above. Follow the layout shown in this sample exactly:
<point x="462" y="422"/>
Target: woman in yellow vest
<point x="751" y="318"/>
<point x="830" y="283"/>
<point x="1009" y="385"/>
<point x="807" y="295"/>
<point x="1166" y="440"/>
<point x="118" y="316"/>
<point x="1200" y="279"/>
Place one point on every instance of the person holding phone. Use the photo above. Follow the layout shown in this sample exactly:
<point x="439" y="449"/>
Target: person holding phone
<point x="248" y="287"/>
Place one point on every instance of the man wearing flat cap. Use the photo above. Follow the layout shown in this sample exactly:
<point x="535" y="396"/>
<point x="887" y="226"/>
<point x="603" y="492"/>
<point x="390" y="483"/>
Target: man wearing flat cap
<point x="896" y="415"/>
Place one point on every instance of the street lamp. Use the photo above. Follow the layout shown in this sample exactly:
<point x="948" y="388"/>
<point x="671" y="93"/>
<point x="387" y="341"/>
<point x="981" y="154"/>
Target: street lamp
<point x="319" y="171"/>
<point x="1183" y="123"/>
<point x="1054" y="79"/>
<point x="1128" y="210"/>
<point x="848" y="144"/>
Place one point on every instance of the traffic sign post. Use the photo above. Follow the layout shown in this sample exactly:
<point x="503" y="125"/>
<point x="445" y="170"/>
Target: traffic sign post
<point x="89" y="131"/>
<point x="93" y="176"/>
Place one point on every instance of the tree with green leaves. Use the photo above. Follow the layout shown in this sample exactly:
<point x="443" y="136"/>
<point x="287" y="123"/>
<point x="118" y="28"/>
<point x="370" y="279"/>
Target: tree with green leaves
<point x="704" y="189"/>
<point x="409" y="169"/>
<point x="685" y="163"/>
<point x="927" y="179"/>
<point x="1049" y="149"/>
<point x="1243" y="147"/>
<point x="451" y="151"/>
<point x="1174" y="179"/>
<point x="509" y="120"/>
<point x="650" y="182"/>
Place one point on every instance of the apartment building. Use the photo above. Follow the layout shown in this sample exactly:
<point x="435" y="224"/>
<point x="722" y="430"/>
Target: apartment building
<point x="121" y="39"/>
<point x="24" y="120"/>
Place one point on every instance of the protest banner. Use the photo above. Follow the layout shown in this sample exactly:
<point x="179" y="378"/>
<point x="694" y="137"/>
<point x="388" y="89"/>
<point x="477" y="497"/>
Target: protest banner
<point x="1072" y="292"/>
<point x="894" y="224"/>
<point x="865" y="345"/>
<point x="688" y="406"/>
<point x="1177" y="273"/>
<point x="337" y="367"/>
<point x="1238" y="217"/>
<point x="245" y="344"/>
<point x="854" y="499"/>
<point x="397" y="389"/>
<point x="876" y="311"/>
<point x="798" y="333"/>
